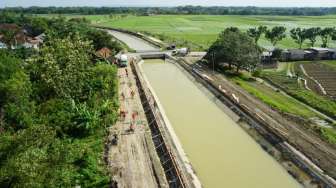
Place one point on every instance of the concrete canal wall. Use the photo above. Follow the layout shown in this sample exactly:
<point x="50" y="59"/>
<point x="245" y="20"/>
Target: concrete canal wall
<point x="174" y="162"/>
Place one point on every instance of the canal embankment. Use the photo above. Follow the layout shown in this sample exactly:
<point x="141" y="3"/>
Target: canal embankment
<point x="177" y="168"/>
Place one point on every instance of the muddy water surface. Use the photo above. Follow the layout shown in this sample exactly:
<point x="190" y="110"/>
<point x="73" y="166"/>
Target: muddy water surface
<point x="223" y="155"/>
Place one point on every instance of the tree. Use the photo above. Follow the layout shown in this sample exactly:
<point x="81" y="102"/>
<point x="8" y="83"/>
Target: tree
<point x="102" y="39"/>
<point x="15" y="90"/>
<point x="276" y="34"/>
<point x="38" y="26"/>
<point x="234" y="48"/>
<point x="62" y="66"/>
<point x="298" y="35"/>
<point x="326" y="35"/>
<point x="9" y="37"/>
<point x="233" y="29"/>
<point x="333" y="37"/>
<point x="276" y="54"/>
<point x="257" y="32"/>
<point x="312" y="34"/>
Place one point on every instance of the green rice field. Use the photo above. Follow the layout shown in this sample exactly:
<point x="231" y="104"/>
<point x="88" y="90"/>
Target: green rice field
<point x="203" y="29"/>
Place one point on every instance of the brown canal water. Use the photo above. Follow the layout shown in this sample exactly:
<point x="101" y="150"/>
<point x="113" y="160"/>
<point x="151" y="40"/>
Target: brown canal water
<point x="221" y="152"/>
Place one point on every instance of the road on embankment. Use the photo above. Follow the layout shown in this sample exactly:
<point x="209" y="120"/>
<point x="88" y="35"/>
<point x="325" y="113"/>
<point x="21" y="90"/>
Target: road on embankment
<point x="133" y="42"/>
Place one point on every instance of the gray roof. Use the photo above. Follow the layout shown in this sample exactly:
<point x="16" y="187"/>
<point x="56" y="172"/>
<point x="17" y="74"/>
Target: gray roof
<point x="319" y="49"/>
<point x="296" y="51"/>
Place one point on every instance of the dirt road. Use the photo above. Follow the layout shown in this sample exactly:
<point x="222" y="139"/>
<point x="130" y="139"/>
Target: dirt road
<point x="132" y="161"/>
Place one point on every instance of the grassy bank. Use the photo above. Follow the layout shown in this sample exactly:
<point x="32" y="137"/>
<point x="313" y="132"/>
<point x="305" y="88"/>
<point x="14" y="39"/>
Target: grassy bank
<point x="274" y="99"/>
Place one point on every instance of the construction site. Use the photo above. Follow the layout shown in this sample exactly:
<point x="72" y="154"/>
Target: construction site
<point x="157" y="142"/>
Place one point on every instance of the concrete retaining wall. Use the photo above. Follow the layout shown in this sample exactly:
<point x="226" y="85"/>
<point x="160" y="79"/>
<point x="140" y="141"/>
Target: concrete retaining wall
<point x="173" y="166"/>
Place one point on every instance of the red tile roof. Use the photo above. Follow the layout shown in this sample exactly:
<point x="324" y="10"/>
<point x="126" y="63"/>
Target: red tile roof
<point x="104" y="53"/>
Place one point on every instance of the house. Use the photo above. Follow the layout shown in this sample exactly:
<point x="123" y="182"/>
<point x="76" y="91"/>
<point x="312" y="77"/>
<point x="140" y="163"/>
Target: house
<point x="21" y="38"/>
<point x="293" y="55"/>
<point x="40" y="38"/>
<point x="332" y="52"/>
<point x="321" y="53"/>
<point x="31" y="43"/>
<point x="267" y="62"/>
<point x="309" y="55"/>
<point x="106" y="54"/>
<point x="266" y="56"/>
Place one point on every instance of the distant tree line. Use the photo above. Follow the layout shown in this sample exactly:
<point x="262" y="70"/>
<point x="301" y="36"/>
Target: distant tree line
<point x="214" y="10"/>
<point x="299" y="35"/>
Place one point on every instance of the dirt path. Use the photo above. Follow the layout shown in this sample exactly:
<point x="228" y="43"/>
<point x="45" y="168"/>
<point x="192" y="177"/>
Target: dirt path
<point x="130" y="161"/>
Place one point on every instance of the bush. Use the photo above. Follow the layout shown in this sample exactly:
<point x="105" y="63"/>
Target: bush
<point x="257" y="72"/>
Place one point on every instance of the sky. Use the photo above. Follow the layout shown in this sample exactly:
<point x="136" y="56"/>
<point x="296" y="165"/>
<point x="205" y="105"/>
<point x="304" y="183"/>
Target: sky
<point x="98" y="3"/>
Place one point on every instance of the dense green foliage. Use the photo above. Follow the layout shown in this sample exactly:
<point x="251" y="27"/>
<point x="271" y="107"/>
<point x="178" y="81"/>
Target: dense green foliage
<point x="55" y="106"/>
<point x="214" y="10"/>
<point x="235" y="48"/>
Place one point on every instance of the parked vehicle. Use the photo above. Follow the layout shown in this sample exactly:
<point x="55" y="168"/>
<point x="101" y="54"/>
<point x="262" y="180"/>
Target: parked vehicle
<point x="123" y="60"/>
<point x="180" y="52"/>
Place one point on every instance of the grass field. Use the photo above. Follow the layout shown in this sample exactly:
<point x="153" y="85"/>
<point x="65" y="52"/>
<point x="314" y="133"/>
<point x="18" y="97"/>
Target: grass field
<point x="331" y="64"/>
<point x="203" y="29"/>
<point x="275" y="99"/>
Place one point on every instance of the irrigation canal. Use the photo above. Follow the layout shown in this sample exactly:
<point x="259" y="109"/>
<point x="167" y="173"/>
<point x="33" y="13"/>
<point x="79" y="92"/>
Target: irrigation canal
<point x="221" y="152"/>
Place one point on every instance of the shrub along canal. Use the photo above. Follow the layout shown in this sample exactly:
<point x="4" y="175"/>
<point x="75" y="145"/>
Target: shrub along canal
<point x="221" y="152"/>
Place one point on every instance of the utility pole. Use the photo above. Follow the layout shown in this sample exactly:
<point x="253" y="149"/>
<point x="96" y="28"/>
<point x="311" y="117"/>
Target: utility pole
<point x="213" y="62"/>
